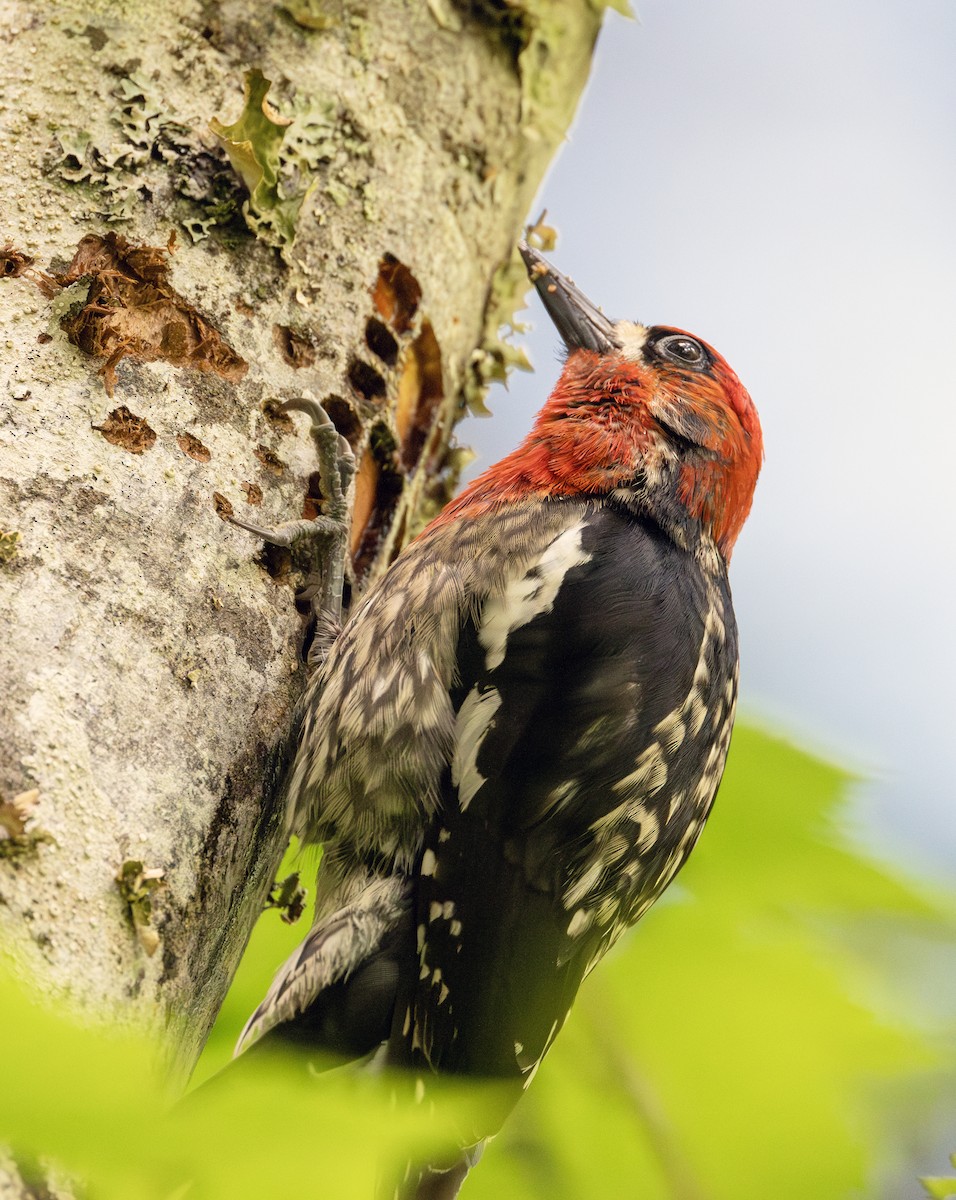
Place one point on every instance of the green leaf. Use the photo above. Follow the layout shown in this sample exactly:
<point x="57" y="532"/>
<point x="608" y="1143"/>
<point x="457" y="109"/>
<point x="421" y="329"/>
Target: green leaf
<point x="939" y="1188"/>
<point x="92" y="1101"/>
<point x="744" y="1041"/>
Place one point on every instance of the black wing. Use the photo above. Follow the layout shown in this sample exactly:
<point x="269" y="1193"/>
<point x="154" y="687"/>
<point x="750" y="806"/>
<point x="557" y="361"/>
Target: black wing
<point x="557" y="823"/>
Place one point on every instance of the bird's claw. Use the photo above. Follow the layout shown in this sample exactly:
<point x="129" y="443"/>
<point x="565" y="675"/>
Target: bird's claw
<point x="336" y="460"/>
<point x="336" y="471"/>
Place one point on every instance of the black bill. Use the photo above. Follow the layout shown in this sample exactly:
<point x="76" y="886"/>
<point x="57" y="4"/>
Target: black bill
<point x="581" y="324"/>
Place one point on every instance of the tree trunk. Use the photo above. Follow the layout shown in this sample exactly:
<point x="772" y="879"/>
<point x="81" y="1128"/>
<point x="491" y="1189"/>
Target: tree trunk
<point x="179" y="261"/>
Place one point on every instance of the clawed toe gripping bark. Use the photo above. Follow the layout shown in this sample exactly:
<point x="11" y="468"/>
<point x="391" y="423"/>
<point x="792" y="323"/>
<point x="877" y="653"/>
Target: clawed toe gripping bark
<point x="324" y="538"/>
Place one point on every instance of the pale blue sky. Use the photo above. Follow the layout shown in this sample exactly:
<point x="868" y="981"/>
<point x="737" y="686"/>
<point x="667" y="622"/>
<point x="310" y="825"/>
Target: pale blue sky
<point x="780" y="179"/>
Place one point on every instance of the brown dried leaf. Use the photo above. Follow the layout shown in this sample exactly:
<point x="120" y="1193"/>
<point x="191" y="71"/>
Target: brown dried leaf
<point x="222" y="506"/>
<point x="123" y="428"/>
<point x="193" y="447"/>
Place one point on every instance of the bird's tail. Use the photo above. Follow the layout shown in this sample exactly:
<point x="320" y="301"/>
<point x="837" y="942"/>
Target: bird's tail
<point x="337" y="996"/>
<point x="336" y="992"/>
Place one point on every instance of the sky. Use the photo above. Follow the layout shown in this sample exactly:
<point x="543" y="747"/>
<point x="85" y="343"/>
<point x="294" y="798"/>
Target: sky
<point x="781" y="181"/>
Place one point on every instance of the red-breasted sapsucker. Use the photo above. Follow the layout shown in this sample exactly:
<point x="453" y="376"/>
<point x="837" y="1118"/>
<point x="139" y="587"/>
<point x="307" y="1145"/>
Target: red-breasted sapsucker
<point x="514" y="742"/>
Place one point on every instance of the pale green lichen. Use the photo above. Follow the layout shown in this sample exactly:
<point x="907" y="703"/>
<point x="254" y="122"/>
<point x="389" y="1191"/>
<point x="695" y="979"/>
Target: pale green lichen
<point x="142" y="145"/>
<point x="370" y="209"/>
<point x="496" y="356"/>
<point x="359" y="43"/>
<point x="546" y="105"/>
<point x="9" y="545"/>
<point x="140" y="114"/>
<point x="113" y="168"/>
<point x="319" y="150"/>
<point x="253" y="144"/>
<point x="337" y="193"/>
<point x="540" y="36"/>
<point x="314" y="137"/>
<point x="310" y="14"/>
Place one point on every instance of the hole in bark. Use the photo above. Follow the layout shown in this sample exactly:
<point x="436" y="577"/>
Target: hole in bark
<point x="312" y="503"/>
<point x="343" y="417"/>
<point x="13" y="263"/>
<point x="272" y="411"/>
<point x="381" y="342"/>
<point x="295" y="348"/>
<point x="366" y="380"/>
<point x="276" y="561"/>
<point x="396" y="294"/>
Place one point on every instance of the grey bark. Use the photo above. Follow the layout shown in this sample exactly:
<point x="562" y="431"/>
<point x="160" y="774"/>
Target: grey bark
<point x="149" y="661"/>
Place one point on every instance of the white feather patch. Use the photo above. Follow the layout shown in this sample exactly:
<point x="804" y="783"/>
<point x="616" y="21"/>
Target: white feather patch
<point x="530" y="594"/>
<point x="474" y="718"/>
<point x="631" y="337"/>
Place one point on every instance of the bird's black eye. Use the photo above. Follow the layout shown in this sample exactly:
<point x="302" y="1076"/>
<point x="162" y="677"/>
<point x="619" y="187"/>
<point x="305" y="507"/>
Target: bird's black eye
<point x="683" y="350"/>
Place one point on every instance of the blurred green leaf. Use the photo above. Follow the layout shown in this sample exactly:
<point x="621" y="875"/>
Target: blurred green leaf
<point x="272" y="941"/>
<point x="743" y="1042"/>
<point x="938" y="1187"/>
<point x="92" y="1101"/>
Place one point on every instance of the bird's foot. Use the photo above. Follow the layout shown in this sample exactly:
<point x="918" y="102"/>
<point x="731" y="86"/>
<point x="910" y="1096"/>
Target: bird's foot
<point x="321" y="542"/>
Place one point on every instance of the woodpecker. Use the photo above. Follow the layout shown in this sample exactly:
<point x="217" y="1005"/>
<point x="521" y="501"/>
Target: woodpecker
<point x="513" y="744"/>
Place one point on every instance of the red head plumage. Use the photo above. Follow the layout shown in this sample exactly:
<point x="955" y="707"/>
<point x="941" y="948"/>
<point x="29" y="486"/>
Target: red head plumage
<point x="633" y="403"/>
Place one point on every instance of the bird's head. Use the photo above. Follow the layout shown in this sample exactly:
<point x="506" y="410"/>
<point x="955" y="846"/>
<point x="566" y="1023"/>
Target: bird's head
<point x="650" y="409"/>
